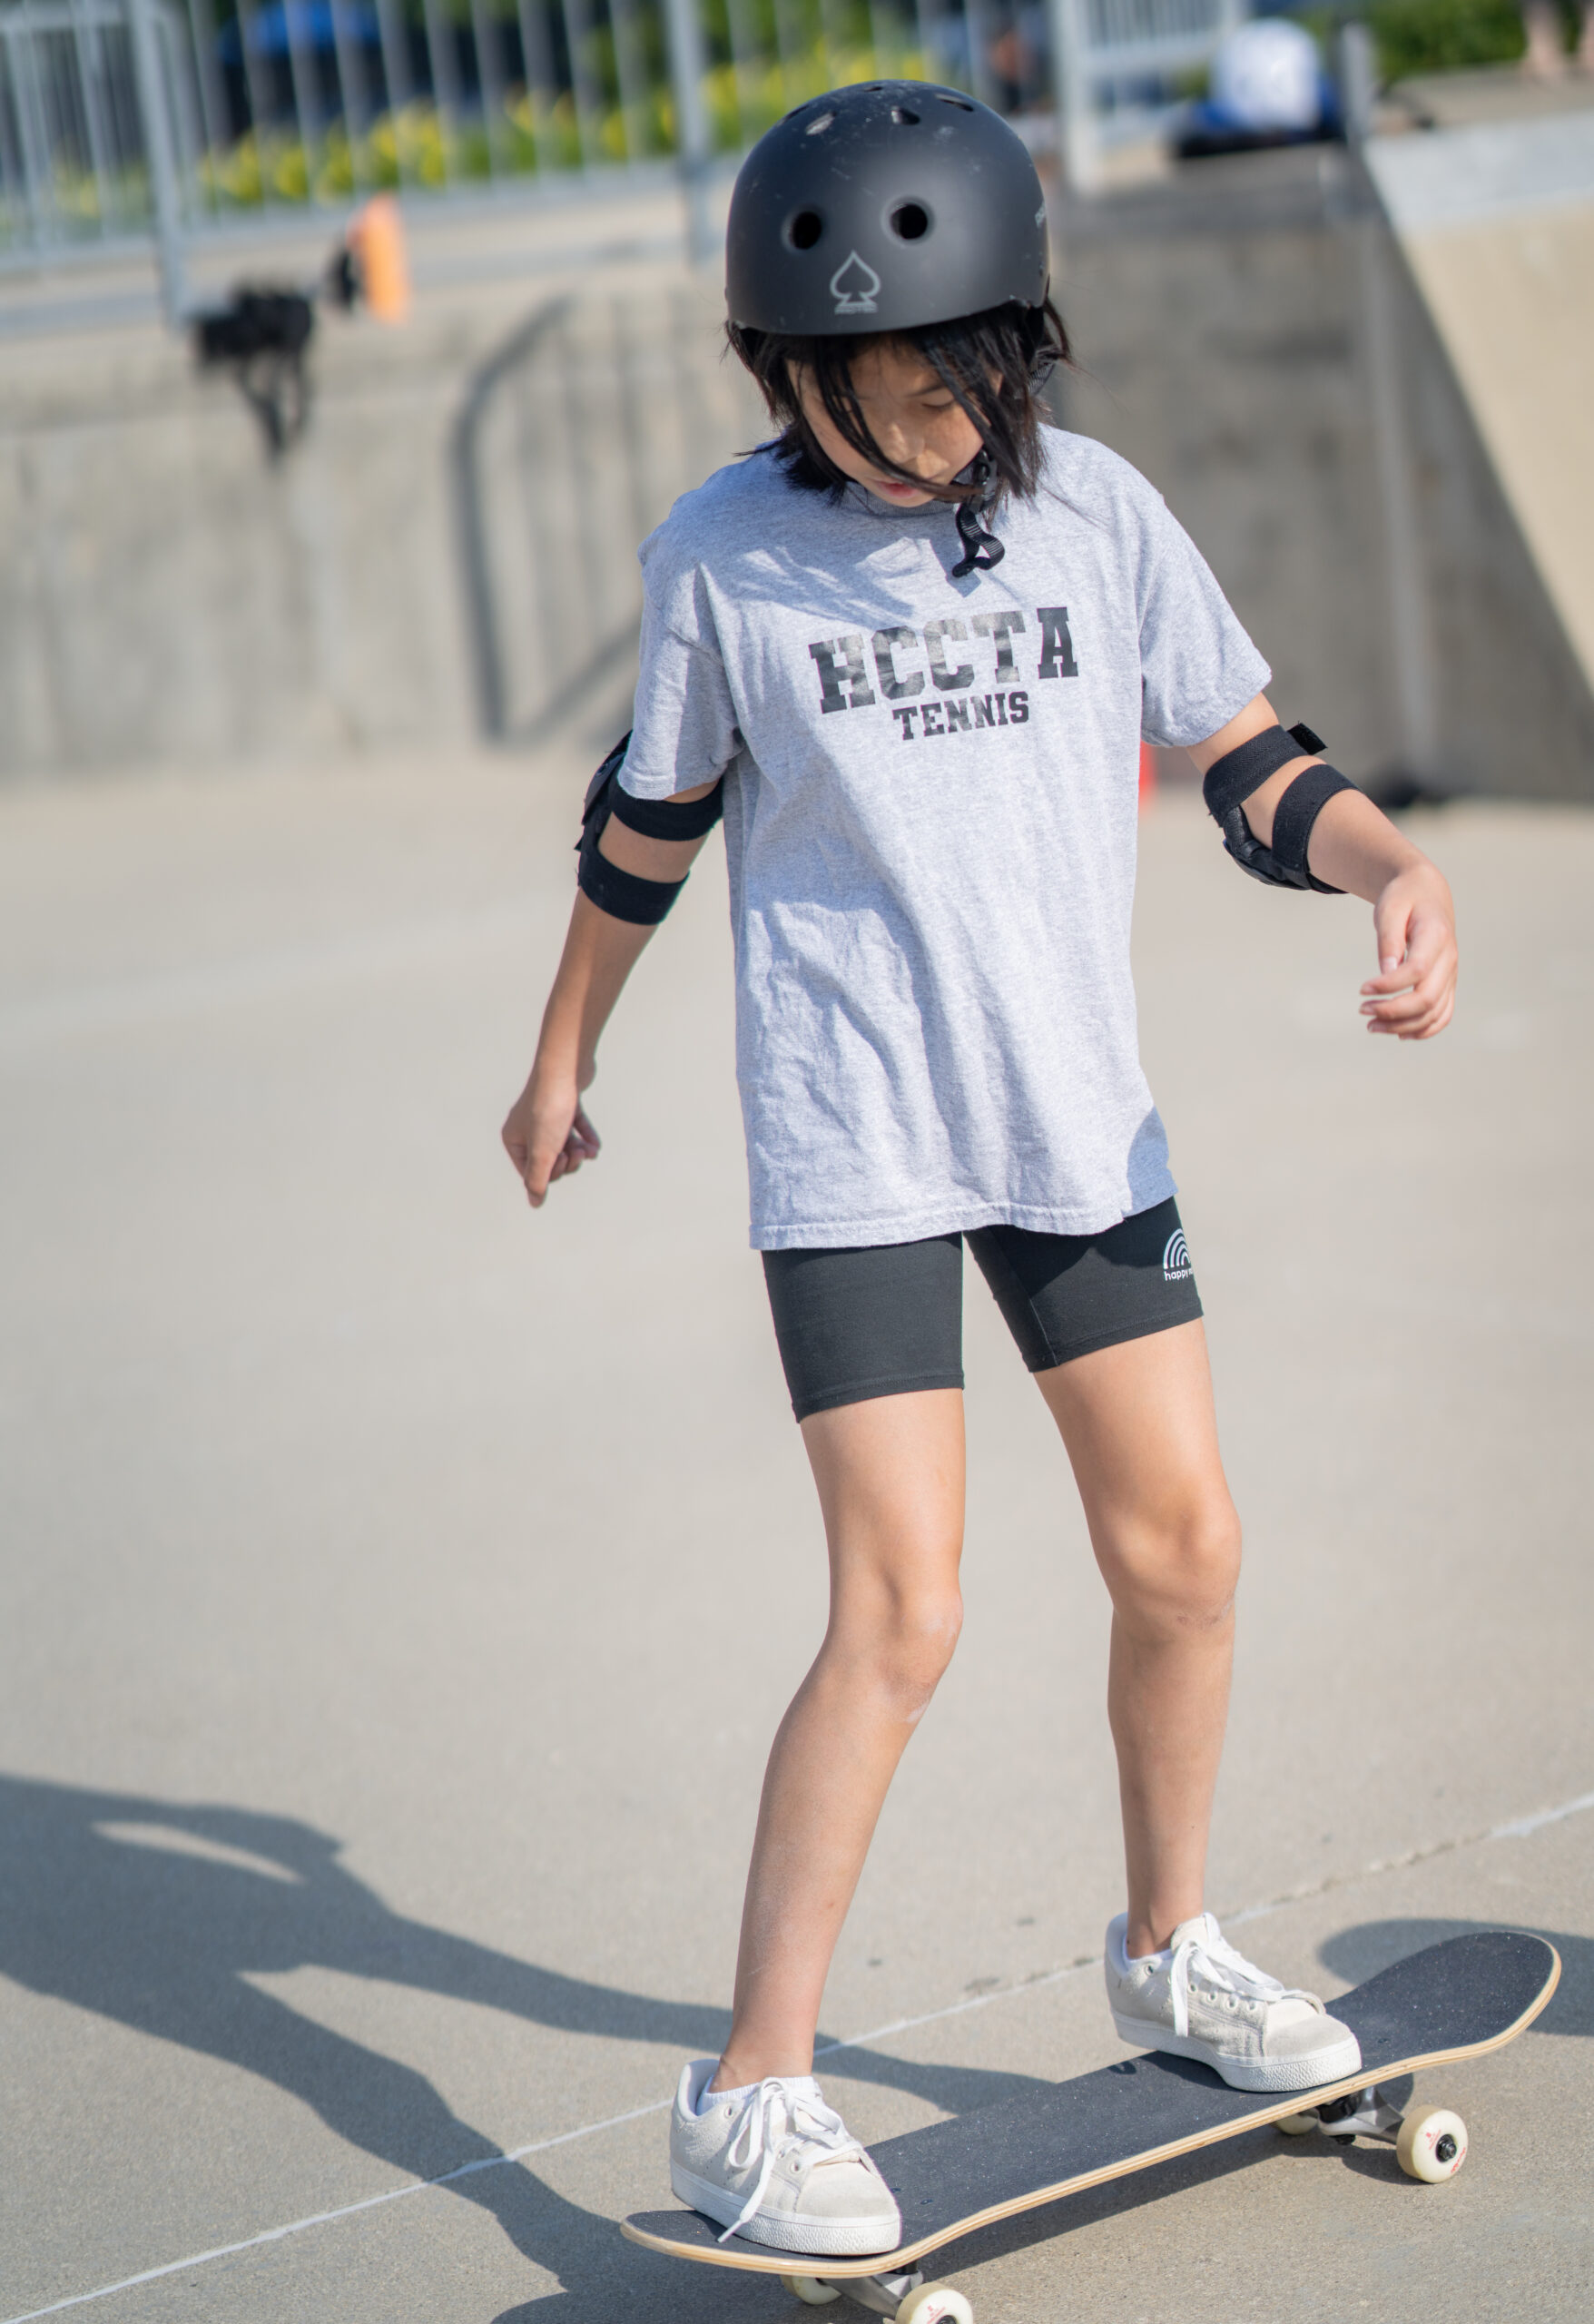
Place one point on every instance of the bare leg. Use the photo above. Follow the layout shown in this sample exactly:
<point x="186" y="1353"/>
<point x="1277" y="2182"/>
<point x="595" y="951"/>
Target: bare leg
<point x="890" y="1475"/>
<point x="1141" y="1432"/>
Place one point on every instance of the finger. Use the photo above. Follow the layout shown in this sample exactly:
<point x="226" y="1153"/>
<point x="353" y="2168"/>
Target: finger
<point x="1404" y="1008"/>
<point x="1414" y="1015"/>
<point x="1391" y="929"/>
<point x="585" y="1130"/>
<point x="1392" y="977"/>
<point x="541" y="1170"/>
<point x="1427" y="971"/>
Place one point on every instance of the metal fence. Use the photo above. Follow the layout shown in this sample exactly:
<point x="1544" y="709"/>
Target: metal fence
<point x="124" y="118"/>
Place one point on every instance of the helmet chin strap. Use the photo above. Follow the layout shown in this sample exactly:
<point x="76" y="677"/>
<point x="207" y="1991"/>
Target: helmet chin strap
<point x="981" y="548"/>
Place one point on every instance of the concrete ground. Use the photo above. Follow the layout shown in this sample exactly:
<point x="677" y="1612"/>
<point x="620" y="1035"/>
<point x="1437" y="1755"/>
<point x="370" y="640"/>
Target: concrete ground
<point x="400" y="1590"/>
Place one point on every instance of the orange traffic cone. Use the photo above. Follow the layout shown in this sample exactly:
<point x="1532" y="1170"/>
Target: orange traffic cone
<point x="376" y="236"/>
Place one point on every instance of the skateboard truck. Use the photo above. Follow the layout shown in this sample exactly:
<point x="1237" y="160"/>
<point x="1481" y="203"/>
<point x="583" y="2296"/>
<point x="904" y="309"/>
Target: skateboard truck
<point x="1429" y="2142"/>
<point x="905" y="2297"/>
<point x="1364" y="2114"/>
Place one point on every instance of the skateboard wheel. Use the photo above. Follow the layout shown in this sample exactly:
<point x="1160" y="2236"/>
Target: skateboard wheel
<point x="935" y="2304"/>
<point x="1295" y="2126"/>
<point x="1431" y="2145"/>
<point x="810" y="2291"/>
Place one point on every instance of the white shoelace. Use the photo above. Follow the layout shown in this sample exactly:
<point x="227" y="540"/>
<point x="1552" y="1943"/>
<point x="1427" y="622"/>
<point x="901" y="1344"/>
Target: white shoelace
<point x="774" y="2119"/>
<point x="1209" y="1954"/>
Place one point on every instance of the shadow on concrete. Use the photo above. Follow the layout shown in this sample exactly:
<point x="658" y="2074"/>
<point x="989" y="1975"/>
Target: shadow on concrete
<point x="158" y="1916"/>
<point x="1360" y="1952"/>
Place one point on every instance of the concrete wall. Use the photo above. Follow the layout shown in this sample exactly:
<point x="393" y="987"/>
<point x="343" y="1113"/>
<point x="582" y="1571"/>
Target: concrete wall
<point x="164" y="595"/>
<point x="1226" y="328"/>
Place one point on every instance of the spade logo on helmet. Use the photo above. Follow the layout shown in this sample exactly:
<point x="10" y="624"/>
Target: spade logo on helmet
<point x="854" y="286"/>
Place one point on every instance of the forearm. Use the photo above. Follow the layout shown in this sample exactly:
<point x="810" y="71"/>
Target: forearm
<point x="1345" y="844"/>
<point x="599" y="954"/>
<point x="600" y="950"/>
<point x="1354" y="847"/>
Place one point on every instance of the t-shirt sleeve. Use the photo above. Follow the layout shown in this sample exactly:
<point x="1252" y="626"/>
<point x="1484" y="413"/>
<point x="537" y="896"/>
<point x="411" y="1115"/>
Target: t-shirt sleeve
<point x="685" y="730"/>
<point x="1198" y="669"/>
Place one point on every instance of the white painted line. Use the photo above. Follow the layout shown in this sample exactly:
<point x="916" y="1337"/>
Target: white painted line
<point x="343" y="2211"/>
<point x="1521" y="1829"/>
<point x="1531" y="1824"/>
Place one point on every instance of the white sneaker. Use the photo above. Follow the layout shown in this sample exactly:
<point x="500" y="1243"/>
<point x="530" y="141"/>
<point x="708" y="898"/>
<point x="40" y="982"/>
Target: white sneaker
<point x="775" y="2163"/>
<point x="1201" y="1999"/>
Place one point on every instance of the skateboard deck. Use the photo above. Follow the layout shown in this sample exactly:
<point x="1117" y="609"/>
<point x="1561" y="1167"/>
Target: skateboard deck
<point x="1454" y="2000"/>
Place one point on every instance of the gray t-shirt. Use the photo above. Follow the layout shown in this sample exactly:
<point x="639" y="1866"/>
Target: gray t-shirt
<point x="930" y="823"/>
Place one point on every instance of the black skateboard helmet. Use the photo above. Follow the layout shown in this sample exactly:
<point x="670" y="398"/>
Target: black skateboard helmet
<point x="884" y="207"/>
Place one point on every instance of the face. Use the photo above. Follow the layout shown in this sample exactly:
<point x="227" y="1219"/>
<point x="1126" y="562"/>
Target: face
<point x="910" y="414"/>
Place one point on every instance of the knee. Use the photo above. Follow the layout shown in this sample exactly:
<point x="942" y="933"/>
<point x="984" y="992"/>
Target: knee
<point x="1180" y="1574"/>
<point x="912" y="1641"/>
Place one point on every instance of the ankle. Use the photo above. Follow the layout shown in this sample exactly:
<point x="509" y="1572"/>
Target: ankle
<point x="740" y="2069"/>
<point x="1153" y="1932"/>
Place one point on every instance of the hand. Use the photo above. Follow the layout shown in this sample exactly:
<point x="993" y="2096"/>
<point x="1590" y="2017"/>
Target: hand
<point x="547" y="1135"/>
<point x="1415" y="992"/>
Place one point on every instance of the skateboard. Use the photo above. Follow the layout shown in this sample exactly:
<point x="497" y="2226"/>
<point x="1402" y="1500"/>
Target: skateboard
<point x="1452" y="2001"/>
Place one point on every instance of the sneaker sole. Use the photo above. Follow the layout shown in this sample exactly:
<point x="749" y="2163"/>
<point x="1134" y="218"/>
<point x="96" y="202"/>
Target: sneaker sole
<point x="1264" y="2074"/>
<point x="842" y="2239"/>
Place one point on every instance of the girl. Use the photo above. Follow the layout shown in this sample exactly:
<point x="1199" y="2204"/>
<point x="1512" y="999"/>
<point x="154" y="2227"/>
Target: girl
<point x="912" y="646"/>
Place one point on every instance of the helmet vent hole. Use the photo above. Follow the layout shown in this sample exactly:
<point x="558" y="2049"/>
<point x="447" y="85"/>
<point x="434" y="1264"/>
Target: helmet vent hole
<point x="817" y="128"/>
<point x="903" y="118"/>
<point x="909" y="222"/>
<point x="805" y="229"/>
<point x="962" y="104"/>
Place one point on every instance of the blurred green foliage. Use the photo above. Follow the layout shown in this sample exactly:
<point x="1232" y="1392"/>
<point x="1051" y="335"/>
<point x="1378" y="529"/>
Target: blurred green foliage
<point x="1444" y="36"/>
<point x="1428" y="36"/>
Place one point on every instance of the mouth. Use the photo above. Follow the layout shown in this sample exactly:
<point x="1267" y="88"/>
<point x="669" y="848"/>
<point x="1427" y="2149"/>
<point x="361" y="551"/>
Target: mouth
<point x="889" y="489"/>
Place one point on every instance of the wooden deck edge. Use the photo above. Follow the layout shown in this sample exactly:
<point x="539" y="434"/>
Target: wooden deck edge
<point x="836" y="2271"/>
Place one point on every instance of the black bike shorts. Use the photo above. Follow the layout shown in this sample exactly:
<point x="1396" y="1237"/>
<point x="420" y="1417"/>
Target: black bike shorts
<point x="888" y="1318"/>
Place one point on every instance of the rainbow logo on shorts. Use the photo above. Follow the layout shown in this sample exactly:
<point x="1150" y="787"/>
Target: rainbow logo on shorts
<point x="1175" y="1257"/>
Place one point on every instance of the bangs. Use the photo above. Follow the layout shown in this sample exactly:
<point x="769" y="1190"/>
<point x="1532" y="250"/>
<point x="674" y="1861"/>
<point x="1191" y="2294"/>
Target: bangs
<point x="995" y="365"/>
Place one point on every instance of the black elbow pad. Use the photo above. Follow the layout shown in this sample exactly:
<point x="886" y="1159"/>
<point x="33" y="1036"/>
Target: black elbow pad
<point x="1229" y="782"/>
<point x="622" y="895"/>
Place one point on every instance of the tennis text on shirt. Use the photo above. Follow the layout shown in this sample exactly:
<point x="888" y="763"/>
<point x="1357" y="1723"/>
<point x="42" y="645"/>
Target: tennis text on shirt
<point x="956" y="659"/>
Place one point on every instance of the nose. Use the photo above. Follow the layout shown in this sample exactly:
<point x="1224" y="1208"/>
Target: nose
<point x="905" y="447"/>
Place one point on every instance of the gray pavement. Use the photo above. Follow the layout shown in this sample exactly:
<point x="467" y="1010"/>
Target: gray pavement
<point x="401" y="1591"/>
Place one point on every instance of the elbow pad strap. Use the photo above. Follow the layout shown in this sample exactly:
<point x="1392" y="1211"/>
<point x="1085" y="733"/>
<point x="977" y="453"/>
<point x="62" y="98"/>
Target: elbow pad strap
<point x="669" y="817"/>
<point x="1293" y="817"/>
<point x="1284" y="865"/>
<point x="1230" y="780"/>
<point x="625" y="895"/>
<point x="622" y="894"/>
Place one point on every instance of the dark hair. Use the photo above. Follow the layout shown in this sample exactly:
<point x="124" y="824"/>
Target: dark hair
<point x="1016" y="346"/>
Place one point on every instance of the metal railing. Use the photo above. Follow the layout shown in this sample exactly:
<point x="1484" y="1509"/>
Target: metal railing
<point x="124" y="118"/>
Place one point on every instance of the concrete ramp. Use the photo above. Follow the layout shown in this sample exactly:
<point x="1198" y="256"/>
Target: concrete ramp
<point x="1496" y="220"/>
<point x="1253" y="337"/>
